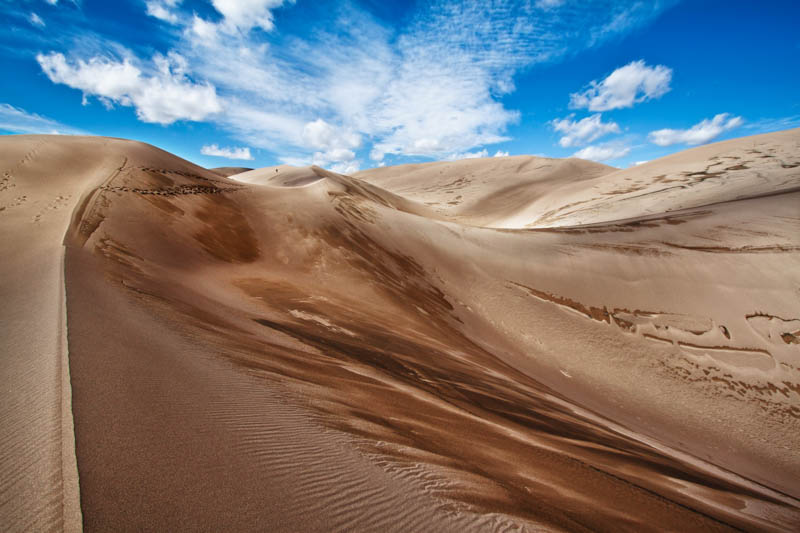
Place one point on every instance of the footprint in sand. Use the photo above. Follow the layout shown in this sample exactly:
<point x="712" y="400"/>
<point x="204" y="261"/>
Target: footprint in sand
<point x="59" y="202"/>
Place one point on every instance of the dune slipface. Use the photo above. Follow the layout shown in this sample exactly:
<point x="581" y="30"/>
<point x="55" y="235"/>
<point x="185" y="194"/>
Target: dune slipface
<point x="493" y="344"/>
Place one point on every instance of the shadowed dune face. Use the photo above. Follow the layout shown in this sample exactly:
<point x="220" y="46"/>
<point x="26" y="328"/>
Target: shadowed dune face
<point x="631" y="374"/>
<point x="43" y="182"/>
<point x="229" y="171"/>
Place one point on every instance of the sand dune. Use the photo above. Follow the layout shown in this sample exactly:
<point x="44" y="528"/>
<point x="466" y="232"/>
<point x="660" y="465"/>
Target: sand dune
<point x="531" y="192"/>
<point x="229" y="171"/>
<point x="491" y="192"/>
<point x="491" y="344"/>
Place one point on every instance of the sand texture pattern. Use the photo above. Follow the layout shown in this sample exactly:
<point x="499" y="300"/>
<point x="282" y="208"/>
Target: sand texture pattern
<point x="501" y="344"/>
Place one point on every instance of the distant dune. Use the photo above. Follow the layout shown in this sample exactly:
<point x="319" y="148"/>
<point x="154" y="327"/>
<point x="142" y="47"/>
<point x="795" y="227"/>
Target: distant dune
<point x="227" y="172"/>
<point x="515" y="343"/>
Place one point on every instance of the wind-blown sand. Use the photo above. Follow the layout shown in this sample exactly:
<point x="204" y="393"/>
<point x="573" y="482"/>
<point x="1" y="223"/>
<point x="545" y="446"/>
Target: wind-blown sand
<point x="483" y="344"/>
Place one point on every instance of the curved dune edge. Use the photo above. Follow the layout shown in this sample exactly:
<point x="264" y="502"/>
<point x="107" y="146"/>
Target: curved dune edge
<point x="484" y="367"/>
<point x="37" y="450"/>
<point x="73" y="518"/>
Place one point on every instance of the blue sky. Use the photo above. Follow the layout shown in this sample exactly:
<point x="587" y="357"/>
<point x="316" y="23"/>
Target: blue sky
<point x="357" y="84"/>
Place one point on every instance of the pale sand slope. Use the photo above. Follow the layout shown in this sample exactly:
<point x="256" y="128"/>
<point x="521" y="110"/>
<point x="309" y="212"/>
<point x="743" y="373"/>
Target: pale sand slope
<point x="486" y="191"/>
<point x="524" y="191"/>
<point x="37" y="458"/>
<point x="636" y="375"/>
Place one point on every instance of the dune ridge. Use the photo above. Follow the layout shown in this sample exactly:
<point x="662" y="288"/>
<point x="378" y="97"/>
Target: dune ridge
<point x="37" y="455"/>
<point x="507" y="343"/>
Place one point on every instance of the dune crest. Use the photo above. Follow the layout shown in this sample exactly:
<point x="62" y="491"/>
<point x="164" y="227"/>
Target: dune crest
<point x="488" y="344"/>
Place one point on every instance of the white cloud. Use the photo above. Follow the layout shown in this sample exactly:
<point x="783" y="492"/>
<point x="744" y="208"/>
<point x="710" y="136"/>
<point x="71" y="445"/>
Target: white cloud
<point x="473" y="155"/>
<point x="160" y="9"/>
<point x="337" y="154"/>
<point x="628" y="85"/>
<point x="334" y="146"/>
<point x="203" y="31"/>
<point x="339" y="160"/>
<point x="346" y="168"/>
<point x="163" y="96"/>
<point x="432" y="109"/>
<point x="467" y="155"/>
<point x="229" y="153"/>
<point x="264" y="129"/>
<point x="602" y="152"/>
<point x="320" y="134"/>
<point x="583" y="131"/>
<point x="637" y="163"/>
<point x="431" y="90"/>
<point x="16" y="120"/>
<point x="243" y="15"/>
<point x="52" y="2"/>
<point x="36" y="20"/>
<point x="431" y="87"/>
<point x="702" y="132"/>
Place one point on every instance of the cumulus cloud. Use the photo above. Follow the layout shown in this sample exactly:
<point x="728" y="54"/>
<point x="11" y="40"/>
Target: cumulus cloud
<point x="500" y="153"/>
<point x="602" y="152"/>
<point x="16" y="120"/>
<point x="334" y="146"/>
<point x="320" y="134"/>
<point x="339" y="160"/>
<point x="582" y="131"/>
<point x="702" y="132"/>
<point x="228" y="153"/>
<point x="36" y="20"/>
<point x="345" y="168"/>
<point x="163" y="96"/>
<point x="346" y="163"/>
<point x="626" y="86"/>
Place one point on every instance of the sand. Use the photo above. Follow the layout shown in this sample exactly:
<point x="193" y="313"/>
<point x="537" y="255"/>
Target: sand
<point x="229" y="171"/>
<point x="37" y="455"/>
<point x="488" y="344"/>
